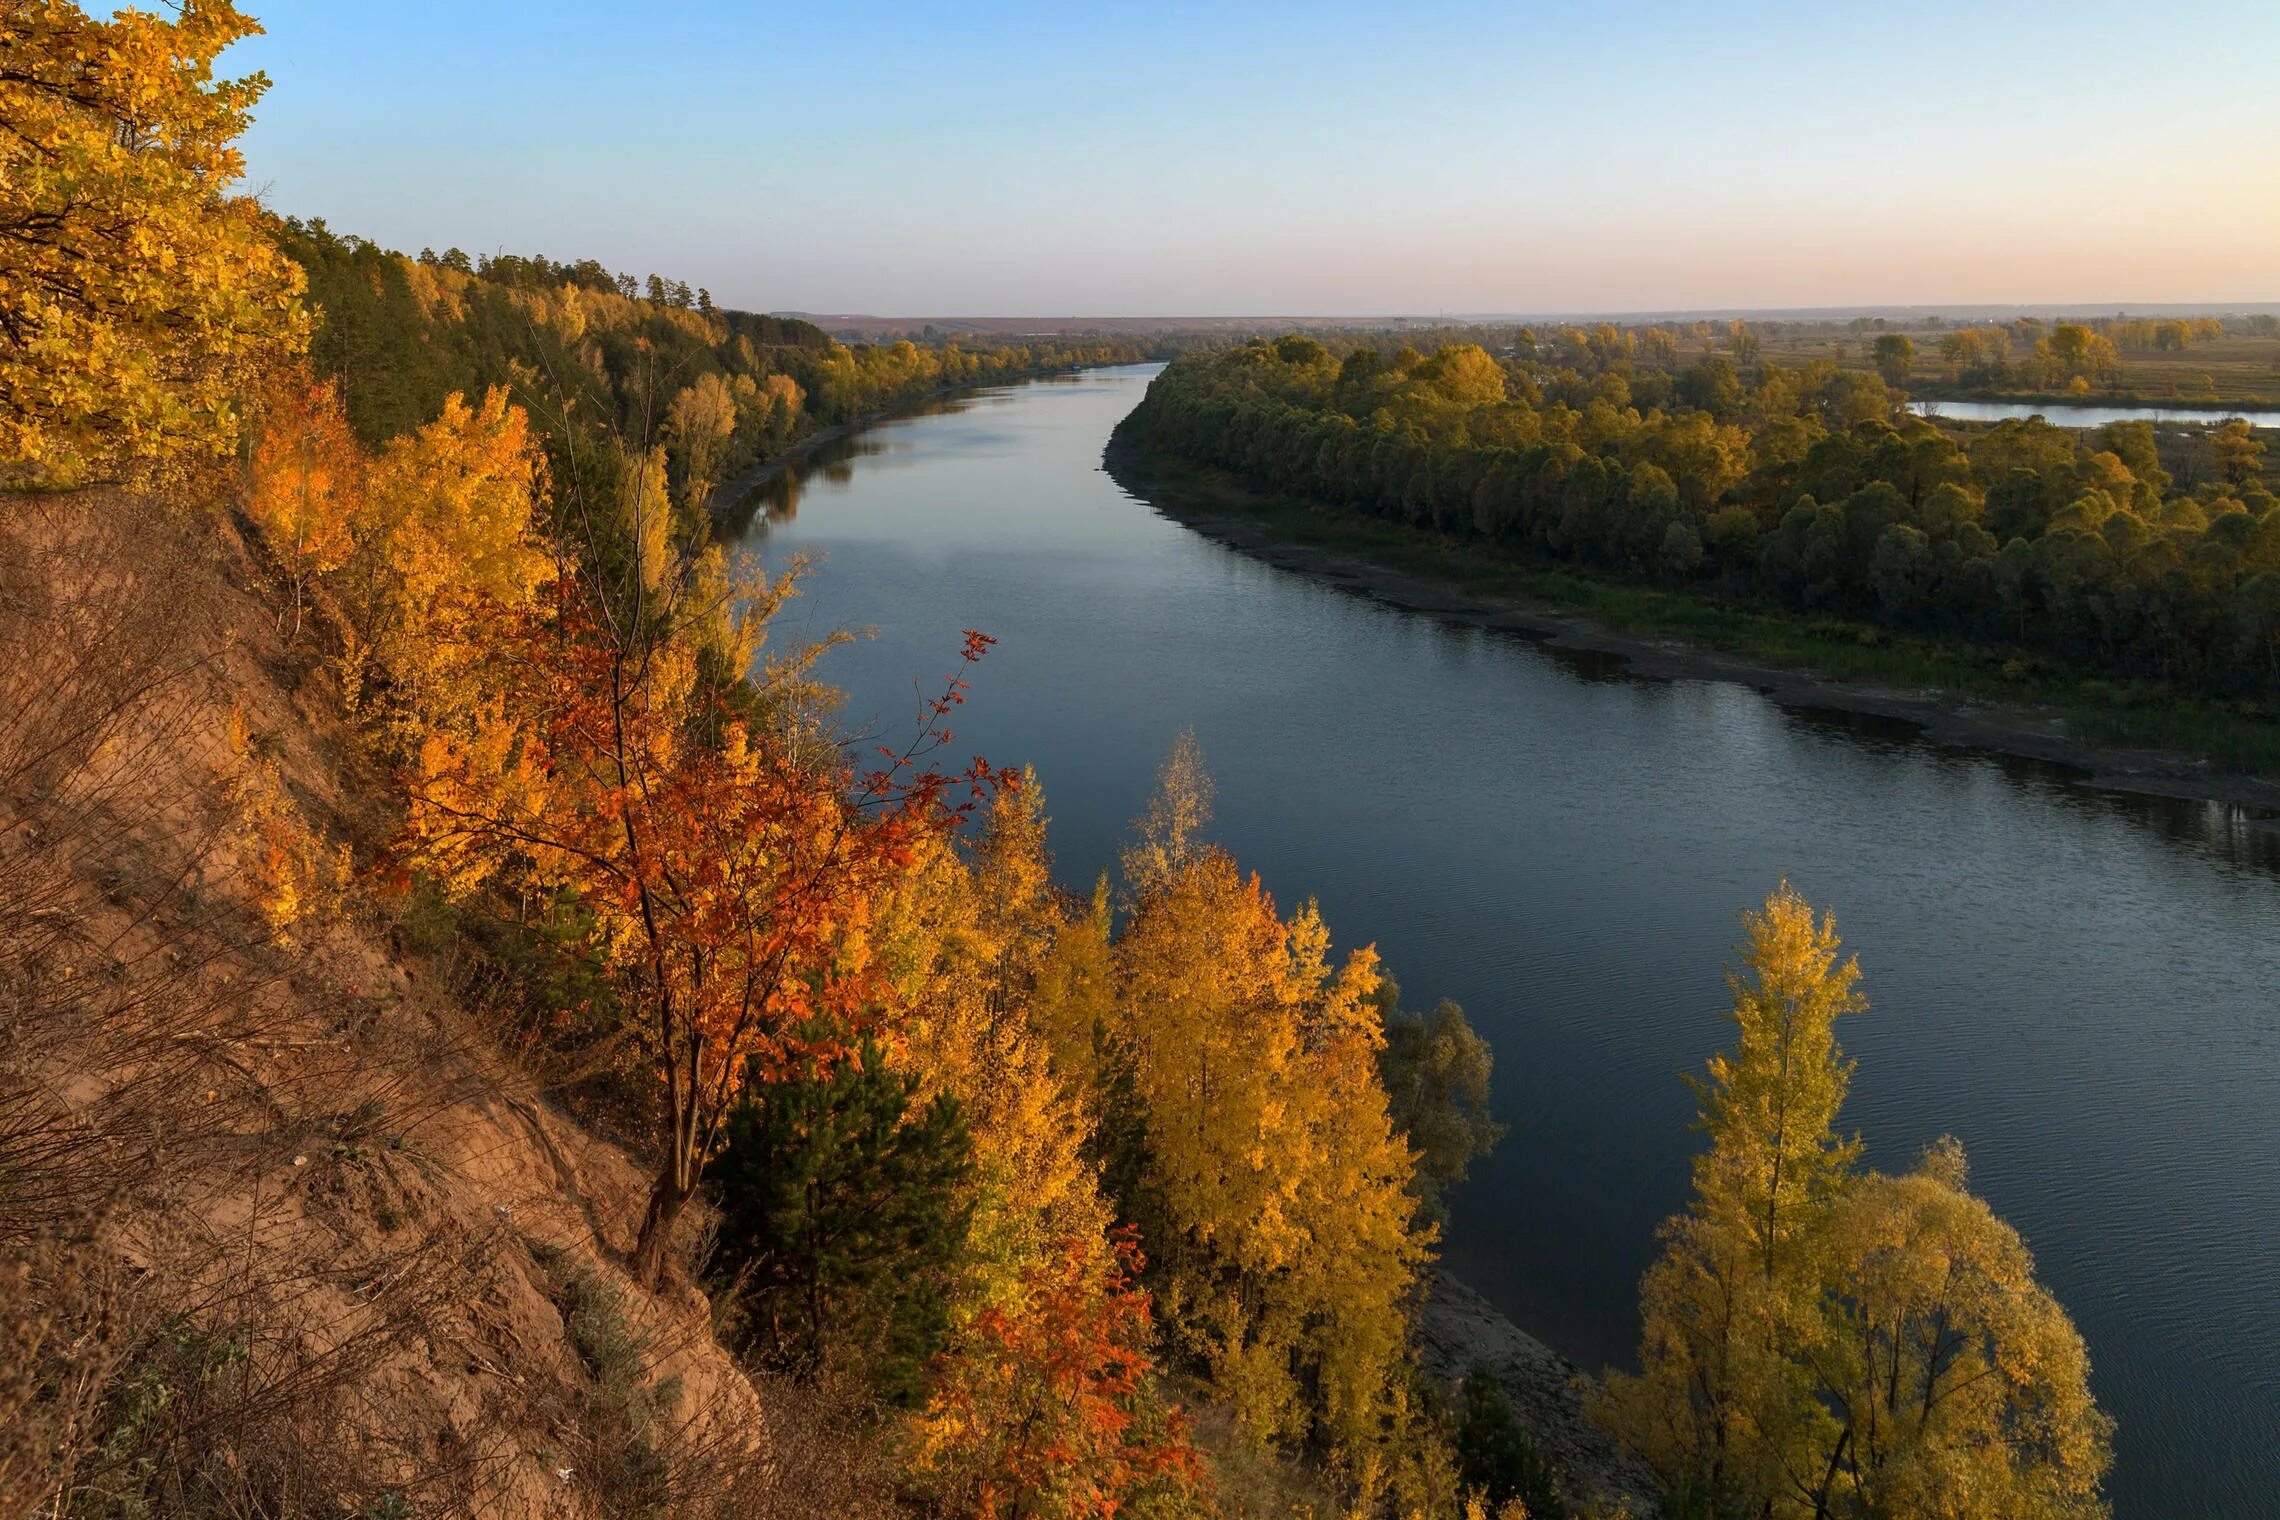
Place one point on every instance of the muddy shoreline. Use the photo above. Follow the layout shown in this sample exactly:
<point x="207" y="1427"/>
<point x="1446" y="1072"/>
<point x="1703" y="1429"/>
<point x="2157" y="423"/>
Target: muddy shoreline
<point x="1941" y="719"/>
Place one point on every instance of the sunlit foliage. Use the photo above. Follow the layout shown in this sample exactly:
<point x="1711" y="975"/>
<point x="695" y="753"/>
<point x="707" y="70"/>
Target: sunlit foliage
<point x="138" y="294"/>
<point x="1286" y="1246"/>
<point x="1821" y="1342"/>
<point x="1807" y="484"/>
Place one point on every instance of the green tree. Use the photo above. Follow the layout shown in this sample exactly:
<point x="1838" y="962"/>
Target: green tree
<point x="1895" y="357"/>
<point x="1495" y="1458"/>
<point x="844" y="1208"/>
<point x="1435" y="1071"/>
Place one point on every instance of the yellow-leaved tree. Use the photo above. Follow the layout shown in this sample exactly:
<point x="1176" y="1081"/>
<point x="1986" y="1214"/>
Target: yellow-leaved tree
<point x="1961" y="1390"/>
<point x="972" y="930"/>
<point x="447" y="543"/>
<point x="137" y="294"/>
<point x="1818" y="1342"/>
<point x="1288" y="1246"/>
<point x="1735" y="1297"/>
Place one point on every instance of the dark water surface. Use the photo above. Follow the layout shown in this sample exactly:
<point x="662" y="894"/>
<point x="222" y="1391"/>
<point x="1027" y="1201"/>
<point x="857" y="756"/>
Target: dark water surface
<point x="2084" y="987"/>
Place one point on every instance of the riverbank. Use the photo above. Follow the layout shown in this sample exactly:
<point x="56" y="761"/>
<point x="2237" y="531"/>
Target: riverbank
<point x="733" y="493"/>
<point x="1459" y="1332"/>
<point x="2121" y="736"/>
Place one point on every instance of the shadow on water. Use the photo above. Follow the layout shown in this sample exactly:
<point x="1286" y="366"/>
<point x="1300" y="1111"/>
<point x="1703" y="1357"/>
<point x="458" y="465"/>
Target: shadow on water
<point x="2235" y="835"/>
<point x="745" y="508"/>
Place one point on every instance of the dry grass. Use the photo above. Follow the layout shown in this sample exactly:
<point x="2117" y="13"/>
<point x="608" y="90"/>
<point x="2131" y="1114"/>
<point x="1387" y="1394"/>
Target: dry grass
<point x="272" y="1215"/>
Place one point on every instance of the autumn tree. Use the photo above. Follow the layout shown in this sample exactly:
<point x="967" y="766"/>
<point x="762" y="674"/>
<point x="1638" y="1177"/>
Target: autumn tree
<point x="1965" y="350"/>
<point x="1958" y="1387"/>
<point x="970" y="929"/>
<point x="2239" y="452"/>
<point x="699" y="425"/>
<point x="1816" y="1342"/>
<point x="1288" y="1247"/>
<point x="734" y="873"/>
<point x="307" y="482"/>
<point x="137" y="292"/>
<point x="1169" y="834"/>
<point x="447" y="547"/>
<point x="1720" y="1399"/>
<point x="1051" y="1413"/>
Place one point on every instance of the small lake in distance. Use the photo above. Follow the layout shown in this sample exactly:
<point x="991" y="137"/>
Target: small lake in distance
<point x="2082" y="986"/>
<point x="2068" y="416"/>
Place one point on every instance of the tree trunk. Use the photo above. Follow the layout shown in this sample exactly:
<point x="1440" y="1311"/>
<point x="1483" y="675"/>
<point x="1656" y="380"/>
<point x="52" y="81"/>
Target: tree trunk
<point x="1829" y="1474"/>
<point x="654" y="1244"/>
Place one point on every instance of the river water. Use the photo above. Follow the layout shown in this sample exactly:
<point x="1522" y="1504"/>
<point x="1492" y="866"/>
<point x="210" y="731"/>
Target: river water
<point x="2069" y="416"/>
<point x="2082" y="986"/>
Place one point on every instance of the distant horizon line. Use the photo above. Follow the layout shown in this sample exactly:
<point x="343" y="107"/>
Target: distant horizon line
<point x="1573" y="314"/>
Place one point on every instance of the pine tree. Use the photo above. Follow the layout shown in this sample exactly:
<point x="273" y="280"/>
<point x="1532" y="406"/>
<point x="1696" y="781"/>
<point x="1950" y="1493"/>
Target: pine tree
<point x="844" y="1209"/>
<point x="1495" y="1458"/>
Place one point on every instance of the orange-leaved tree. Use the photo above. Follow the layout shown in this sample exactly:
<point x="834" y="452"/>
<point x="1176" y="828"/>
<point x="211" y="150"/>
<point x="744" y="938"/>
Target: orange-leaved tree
<point x="733" y="872"/>
<point x="307" y="481"/>
<point x="1049" y="1411"/>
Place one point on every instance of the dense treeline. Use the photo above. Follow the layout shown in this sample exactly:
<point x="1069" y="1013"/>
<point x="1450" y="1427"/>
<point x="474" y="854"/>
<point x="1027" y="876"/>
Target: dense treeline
<point x="605" y="364"/>
<point x="2120" y="548"/>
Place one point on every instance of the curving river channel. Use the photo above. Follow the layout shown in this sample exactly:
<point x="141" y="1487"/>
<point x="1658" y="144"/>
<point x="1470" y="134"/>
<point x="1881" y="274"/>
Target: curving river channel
<point x="2082" y="986"/>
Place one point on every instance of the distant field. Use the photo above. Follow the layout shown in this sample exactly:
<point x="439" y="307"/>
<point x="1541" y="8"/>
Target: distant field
<point x="2233" y="368"/>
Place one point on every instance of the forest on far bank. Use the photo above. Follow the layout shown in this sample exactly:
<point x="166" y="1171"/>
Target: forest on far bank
<point x="2130" y="549"/>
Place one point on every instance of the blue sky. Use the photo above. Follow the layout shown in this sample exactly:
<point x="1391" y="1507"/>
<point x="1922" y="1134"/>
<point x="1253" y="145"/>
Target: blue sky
<point x="1106" y="158"/>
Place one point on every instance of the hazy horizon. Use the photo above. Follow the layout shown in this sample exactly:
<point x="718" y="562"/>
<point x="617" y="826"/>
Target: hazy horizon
<point x="1972" y="311"/>
<point x="1229" y="162"/>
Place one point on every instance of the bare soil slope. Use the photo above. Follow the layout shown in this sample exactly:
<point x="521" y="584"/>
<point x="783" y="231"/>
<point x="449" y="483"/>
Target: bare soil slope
<point x="282" y="1231"/>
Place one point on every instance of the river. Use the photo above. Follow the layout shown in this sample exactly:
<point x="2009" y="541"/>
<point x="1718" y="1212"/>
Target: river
<point x="2082" y="986"/>
<point x="2068" y="415"/>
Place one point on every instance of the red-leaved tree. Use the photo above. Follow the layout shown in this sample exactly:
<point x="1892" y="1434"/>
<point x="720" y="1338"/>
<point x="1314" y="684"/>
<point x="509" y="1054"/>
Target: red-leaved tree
<point x="732" y="869"/>
<point x="1047" y="1410"/>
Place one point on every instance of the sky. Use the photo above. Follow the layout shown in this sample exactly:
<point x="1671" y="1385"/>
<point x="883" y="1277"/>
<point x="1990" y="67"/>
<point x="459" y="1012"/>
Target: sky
<point x="1092" y="157"/>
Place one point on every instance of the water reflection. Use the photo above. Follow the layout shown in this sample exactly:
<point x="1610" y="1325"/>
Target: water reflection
<point x="2083" y="985"/>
